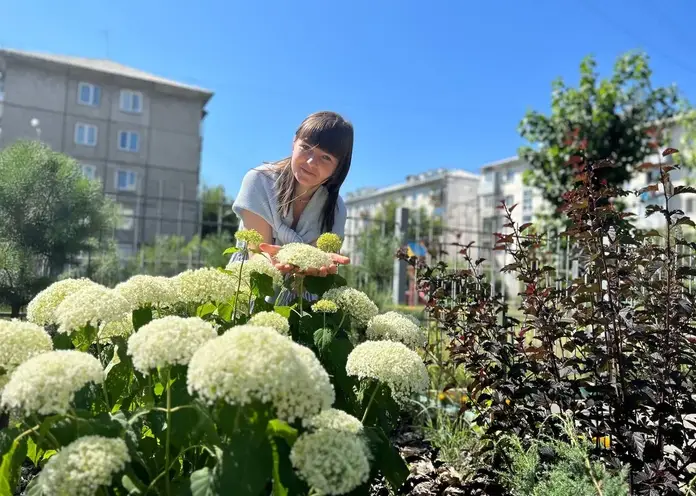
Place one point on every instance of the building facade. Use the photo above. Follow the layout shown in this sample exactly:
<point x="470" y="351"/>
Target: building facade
<point x="450" y="195"/>
<point x="136" y="133"/>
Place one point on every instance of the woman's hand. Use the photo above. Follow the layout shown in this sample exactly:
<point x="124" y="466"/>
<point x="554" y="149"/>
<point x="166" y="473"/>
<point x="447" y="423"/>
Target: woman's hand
<point x="272" y="250"/>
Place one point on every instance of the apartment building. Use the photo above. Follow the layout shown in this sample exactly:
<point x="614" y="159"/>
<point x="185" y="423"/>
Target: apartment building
<point x="450" y="195"/>
<point x="503" y="180"/>
<point x="137" y="133"/>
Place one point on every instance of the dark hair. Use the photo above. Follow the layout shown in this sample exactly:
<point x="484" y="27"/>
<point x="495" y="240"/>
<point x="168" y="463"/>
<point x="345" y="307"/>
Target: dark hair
<point x="333" y="134"/>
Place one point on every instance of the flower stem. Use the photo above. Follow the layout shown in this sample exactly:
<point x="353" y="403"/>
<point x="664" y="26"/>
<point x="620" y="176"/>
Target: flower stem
<point x="169" y="430"/>
<point x="369" y="403"/>
<point x="245" y="253"/>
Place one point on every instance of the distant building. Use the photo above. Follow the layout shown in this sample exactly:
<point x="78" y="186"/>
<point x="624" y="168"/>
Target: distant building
<point x="450" y="195"/>
<point x="139" y="134"/>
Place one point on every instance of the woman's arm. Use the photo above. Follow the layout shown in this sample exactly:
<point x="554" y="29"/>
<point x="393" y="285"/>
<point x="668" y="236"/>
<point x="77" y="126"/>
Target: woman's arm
<point x="257" y="223"/>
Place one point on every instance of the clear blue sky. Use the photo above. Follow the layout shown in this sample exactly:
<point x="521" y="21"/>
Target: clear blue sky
<point x="426" y="84"/>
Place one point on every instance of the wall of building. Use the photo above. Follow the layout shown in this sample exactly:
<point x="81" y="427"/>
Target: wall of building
<point x="165" y="164"/>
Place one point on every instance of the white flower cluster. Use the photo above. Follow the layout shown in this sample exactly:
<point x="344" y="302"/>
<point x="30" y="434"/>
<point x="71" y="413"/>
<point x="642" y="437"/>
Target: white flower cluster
<point x="303" y="256"/>
<point x="41" y="308"/>
<point x="168" y="341"/>
<point x="271" y="319"/>
<point x="91" y="305"/>
<point x="337" y="420"/>
<point x="394" y="326"/>
<point x="331" y="461"/>
<point x="83" y="466"/>
<point x="257" y="263"/>
<point x="353" y="303"/>
<point x="143" y="290"/>
<point x="19" y="341"/>
<point x="117" y="328"/>
<point x="204" y="285"/>
<point x="250" y="363"/>
<point x="390" y="363"/>
<point x="47" y="383"/>
<point x="325" y="306"/>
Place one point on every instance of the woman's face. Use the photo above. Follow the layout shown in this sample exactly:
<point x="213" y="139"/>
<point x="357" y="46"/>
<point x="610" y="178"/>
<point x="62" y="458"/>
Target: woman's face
<point x="311" y="165"/>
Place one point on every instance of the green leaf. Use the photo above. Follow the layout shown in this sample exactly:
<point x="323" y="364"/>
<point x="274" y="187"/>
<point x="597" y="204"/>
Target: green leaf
<point x="323" y="338"/>
<point x="231" y="250"/>
<point x="7" y="437"/>
<point x="141" y="316"/>
<point x="283" y="310"/>
<point x="246" y="465"/>
<point x="205" y="309"/>
<point x="334" y="361"/>
<point x="263" y="284"/>
<point x="225" y="311"/>
<point x="387" y="458"/>
<point x="203" y="483"/>
<point x="319" y="285"/>
<point x="62" y="341"/>
<point x="10" y="468"/>
<point x="83" y="338"/>
<point x="34" y="453"/>
<point x="278" y="428"/>
<point x="119" y="372"/>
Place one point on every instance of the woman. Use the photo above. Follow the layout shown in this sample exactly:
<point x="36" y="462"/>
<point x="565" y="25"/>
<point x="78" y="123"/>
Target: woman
<point x="296" y="199"/>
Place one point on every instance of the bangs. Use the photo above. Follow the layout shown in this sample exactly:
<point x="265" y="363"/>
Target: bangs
<point x="328" y="132"/>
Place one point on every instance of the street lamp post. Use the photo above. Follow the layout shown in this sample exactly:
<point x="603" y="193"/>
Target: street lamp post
<point x="35" y="123"/>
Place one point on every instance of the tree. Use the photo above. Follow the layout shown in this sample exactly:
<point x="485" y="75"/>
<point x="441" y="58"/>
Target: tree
<point x="605" y="119"/>
<point x="218" y="216"/>
<point x="49" y="214"/>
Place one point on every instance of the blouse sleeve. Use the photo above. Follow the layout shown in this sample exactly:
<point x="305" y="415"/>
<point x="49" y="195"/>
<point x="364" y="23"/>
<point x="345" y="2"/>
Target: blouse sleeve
<point x="254" y="196"/>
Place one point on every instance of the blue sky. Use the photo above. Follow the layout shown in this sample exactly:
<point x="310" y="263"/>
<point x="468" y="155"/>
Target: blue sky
<point x="426" y="84"/>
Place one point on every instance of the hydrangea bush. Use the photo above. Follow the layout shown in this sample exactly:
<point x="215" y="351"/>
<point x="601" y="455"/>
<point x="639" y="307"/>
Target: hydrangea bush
<point x="200" y="384"/>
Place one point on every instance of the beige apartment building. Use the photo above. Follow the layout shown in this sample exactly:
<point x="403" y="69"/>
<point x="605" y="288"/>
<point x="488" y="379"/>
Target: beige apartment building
<point x="137" y="133"/>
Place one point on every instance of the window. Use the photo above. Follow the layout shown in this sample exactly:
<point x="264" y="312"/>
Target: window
<point x="89" y="171"/>
<point x="131" y="101"/>
<point x="85" y="134"/>
<point x="509" y="201"/>
<point x="125" y="180"/>
<point x="127" y="218"/>
<point x="88" y="94"/>
<point x="689" y="206"/>
<point x="2" y="86"/>
<point x="526" y="219"/>
<point x="128" y="141"/>
<point x="527" y="200"/>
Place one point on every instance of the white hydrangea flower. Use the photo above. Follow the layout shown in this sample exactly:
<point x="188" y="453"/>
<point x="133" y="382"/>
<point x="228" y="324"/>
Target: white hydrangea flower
<point x="331" y="461"/>
<point x="271" y="319"/>
<point x="83" y="466"/>
<point x="338" y="420"/>
<point x="354" y="303"/>
<point x="390" y="363"/>
<point x="117" y="328"/>
<point x="170" y="340"/>
<point x="250" y="363"/>
<point x="41" y="308"/>
<point x="46" y="384"/>
<point x="92" y="305"/>
<point x="257" y="263"/>
<point x="143" y="290"/>
<point x="19" y="341"/>
<point x="325" y="306"/>
<point x="204" y="285"/>
<point x="394" y="326"/>
<point x="303" y="256"/>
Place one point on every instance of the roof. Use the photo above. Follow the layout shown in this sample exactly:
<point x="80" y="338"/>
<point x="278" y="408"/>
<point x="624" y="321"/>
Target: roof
<point x="413" y="181"/>
<point x="106" y="66"/>
<point x="502" y="163"/>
